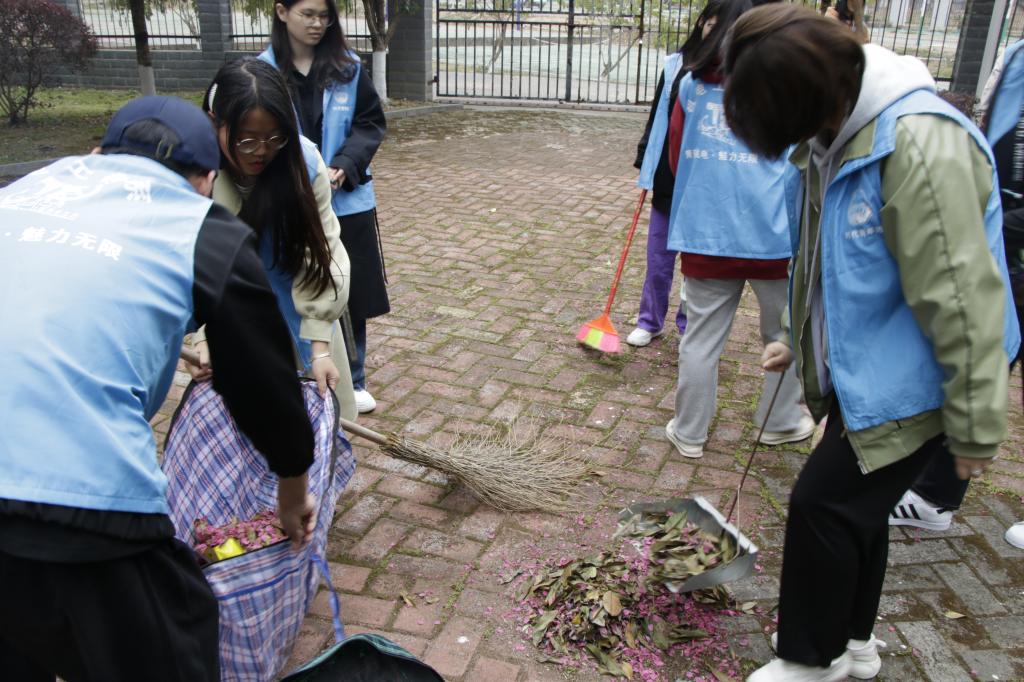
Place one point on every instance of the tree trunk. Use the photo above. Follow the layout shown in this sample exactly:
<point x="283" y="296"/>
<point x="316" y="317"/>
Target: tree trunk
<point x="380" y="73"/>
<point x="142" y="53"/>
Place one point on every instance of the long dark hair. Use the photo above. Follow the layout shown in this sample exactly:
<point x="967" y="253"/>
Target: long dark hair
<point x="332" y="57"/>
<point x="692" y="43"/>
<point x="282" y="199"/>
<point x="707" y="53"/>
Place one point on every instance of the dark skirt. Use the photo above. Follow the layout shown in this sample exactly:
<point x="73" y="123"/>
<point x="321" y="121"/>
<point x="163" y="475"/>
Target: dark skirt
<point x="368" y="293"/>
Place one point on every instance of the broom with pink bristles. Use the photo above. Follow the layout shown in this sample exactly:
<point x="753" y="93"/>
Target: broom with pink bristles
<point x="600" y="333"/>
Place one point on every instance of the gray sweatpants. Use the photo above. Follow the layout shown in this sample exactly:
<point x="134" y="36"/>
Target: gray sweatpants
<point x="710" y="307"/>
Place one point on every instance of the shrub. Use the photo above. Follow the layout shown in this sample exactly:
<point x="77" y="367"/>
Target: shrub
<point x="36" y="38"/>
<point x="962" y="101"/>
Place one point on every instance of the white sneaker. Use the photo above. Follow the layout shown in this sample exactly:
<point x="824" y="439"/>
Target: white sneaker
<point x="787" y="671"/>
<point x="863" y="656"/>
<point x="641" y="337"/>
<point x="802" y="432"/>
<point x="364" y="401"/>
<point x="864" y="659"/>
<point x="691" y="450"/>
<point x="912" y="510"/>
<point x="1015" y="534"/>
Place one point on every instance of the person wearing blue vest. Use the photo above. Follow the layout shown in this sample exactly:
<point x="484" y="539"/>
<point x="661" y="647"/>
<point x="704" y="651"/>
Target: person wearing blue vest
<point x="933" y="498"/>
<point x="657" y="177"/>
<point x="728" y="221"/>
<point x="106" y="260"/>
<point x="275" y="180"/>
<point x="901" y="323"/>
<point x="339" y="110"/>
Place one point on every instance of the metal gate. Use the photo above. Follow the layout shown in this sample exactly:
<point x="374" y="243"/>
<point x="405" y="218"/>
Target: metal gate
<point x="602" y="51"/>
<point x="610" y="51"/>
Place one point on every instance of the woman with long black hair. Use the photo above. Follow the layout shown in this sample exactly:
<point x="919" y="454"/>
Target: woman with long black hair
<point x="339" y="110"/>
<point x="275" y="181"/>
<point x="657" y="176"/>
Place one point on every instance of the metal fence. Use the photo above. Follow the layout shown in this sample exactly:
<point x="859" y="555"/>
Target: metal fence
<point x="611" y="51"/>
<point x="172" y="24"/>
<point x="1013" y="25"/>
<point x="927" y="29"/>
<point x="251" y="21"/>
<point x="571" y="50"/>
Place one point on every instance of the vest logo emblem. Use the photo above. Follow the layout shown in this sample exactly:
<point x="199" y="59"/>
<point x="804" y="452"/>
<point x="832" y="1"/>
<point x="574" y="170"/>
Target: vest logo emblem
<point x="859" y="212"/>
<point x="713" y="124"/>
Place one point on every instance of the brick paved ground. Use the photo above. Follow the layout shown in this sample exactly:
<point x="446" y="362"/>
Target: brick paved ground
<point x="501" y="231"/>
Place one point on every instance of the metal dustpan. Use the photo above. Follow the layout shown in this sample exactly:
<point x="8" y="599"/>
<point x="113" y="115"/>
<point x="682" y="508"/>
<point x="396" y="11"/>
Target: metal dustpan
<point x="701" y="513"/>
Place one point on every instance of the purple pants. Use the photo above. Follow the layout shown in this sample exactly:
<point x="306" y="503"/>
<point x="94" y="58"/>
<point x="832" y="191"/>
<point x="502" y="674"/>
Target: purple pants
<point x="661" y="267"/>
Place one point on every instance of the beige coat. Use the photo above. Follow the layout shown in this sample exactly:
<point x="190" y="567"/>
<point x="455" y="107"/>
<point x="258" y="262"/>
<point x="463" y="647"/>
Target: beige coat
<point x="319" y="313"/>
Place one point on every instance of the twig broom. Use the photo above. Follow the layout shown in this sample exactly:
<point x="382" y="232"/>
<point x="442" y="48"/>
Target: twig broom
<point x="499" y="470"/>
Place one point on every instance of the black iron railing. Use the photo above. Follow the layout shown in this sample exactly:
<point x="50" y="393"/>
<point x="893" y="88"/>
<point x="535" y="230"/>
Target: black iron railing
<point x="172" y="24"/>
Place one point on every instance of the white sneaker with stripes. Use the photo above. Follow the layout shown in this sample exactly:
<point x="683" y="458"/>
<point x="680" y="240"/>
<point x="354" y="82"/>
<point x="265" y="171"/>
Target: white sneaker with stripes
<point x="913" y="510"/>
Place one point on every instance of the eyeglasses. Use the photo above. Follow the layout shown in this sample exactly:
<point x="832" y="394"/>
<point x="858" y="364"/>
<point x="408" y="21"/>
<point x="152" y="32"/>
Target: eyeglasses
<point x="251" y="145"/>
<point x="312" y="18"/>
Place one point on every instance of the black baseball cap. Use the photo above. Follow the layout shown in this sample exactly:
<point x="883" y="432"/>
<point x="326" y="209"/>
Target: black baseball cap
<point x="196" y="144"/>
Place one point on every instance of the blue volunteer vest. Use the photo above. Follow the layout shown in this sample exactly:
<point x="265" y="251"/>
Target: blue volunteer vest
<point x="339" y="109"/>
<point x="280" y="281"/>
<point x="96" y="270"/>
<point x="659" y="129"/>
<point x="727" y="200"/>
<point x="883" y="366"/>
<point x="1009" y="98"/>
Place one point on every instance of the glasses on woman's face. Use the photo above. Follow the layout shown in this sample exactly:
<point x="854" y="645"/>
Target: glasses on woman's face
<point x="312" y="18"/>
<point x="251" y="145"/>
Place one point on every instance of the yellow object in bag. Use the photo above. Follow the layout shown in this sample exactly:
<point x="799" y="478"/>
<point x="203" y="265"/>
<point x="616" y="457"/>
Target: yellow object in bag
<point x="228" y="549"/>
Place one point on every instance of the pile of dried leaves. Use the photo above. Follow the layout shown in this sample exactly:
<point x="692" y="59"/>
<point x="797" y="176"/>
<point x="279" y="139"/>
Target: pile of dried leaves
<point x="614" y="606"/>
<point x="678" y="550"/>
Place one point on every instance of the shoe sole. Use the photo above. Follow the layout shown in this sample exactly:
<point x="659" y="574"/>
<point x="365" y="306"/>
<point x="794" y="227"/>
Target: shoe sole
<point x="917" y="523"/>
<point x="1013" y="544"/>
<point x="679" y="445"/>
<point x="795" y="438"/>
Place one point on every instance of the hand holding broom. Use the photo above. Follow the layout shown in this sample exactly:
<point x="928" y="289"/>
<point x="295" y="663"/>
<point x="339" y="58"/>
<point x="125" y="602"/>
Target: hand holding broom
<point x="499" y="471"/>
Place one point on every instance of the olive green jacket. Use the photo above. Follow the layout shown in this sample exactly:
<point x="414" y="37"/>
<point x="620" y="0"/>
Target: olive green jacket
<point x="935" y="187"/>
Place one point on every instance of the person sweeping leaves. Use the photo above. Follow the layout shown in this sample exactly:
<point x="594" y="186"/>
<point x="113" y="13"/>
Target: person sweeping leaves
<point x="900" y="315"/>
<point x="729" y="221"/>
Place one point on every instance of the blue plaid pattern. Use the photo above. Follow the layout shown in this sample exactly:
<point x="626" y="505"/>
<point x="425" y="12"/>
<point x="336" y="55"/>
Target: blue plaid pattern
<point x="214" y="472"/>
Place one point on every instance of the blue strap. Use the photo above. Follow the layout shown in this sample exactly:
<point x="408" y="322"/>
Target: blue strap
<point x="339" y="629"/>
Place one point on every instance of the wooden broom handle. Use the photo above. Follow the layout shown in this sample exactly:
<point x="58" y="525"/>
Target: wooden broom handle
<point x="192" y="358"/>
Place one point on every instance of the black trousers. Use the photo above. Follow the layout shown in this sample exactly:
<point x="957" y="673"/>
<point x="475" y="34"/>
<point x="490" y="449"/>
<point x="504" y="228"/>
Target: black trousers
<point x="837" y="545"/>
<point x="939" y="483"/>
<point x="148" y="616"/>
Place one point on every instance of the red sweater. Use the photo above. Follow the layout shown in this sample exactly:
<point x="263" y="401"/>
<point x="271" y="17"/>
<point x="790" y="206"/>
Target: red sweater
<point x="715" y="267"/>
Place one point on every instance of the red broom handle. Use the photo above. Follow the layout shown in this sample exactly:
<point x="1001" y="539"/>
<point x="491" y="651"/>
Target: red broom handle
<point x="625" y="251"/>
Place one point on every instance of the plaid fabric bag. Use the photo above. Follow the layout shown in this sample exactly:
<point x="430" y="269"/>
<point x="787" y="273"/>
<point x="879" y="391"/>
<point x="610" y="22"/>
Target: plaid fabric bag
<point x="215" y="473"/>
